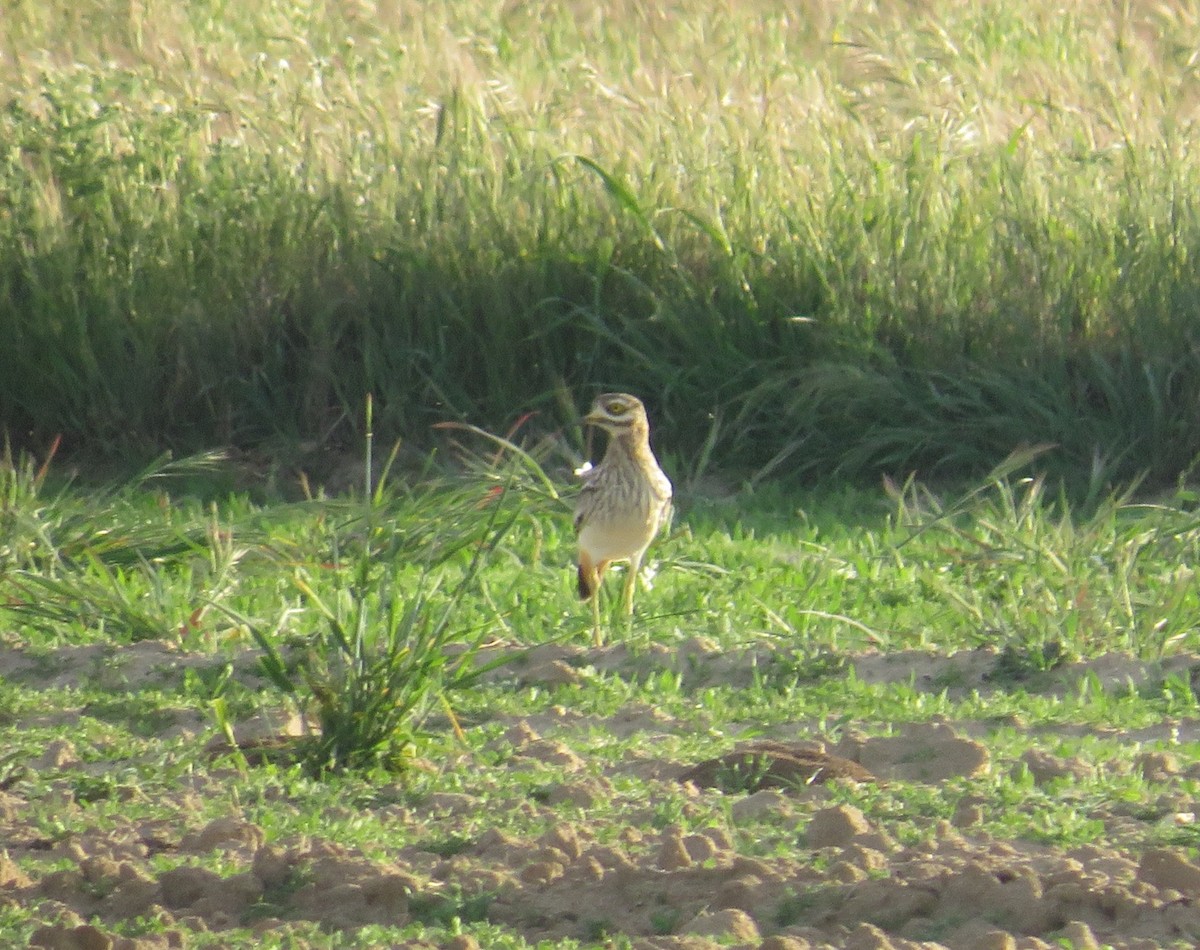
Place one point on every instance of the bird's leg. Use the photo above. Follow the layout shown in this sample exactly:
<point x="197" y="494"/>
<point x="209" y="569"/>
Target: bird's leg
<point x="591" y="578"/>
<point x="597" y="634"/>
<point x="631" y="578"/>
<point x="589" y="589"/>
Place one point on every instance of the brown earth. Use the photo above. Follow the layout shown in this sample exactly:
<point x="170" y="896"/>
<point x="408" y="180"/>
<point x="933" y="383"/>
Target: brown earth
<point x="847" y="883"/>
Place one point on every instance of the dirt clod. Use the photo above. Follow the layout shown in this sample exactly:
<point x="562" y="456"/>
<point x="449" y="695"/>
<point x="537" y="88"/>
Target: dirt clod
<point x="1045" y="767"/>
<point x="1079" y="936"/>
<point x="225" y="834"/>
<point x="990" y="940"/>
<point x="673" y="855"/>
<point x="1157" y="766"/>
<point x="762" y="765"/>
<point x="461" y="942"/>
<point x="59" y="937"/>
<point x="868" y="937"/>
<point x="831" y="827"/>
<point x="784" y="943"/>
<point x="183" y="887"/>
<point x="927" y="752"/>
<point x="58" y="754"/>
<point x="731" y="923"/>
<point x="1169" y="869"/>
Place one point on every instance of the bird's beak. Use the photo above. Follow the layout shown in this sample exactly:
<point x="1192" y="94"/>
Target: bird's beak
<point x="592" y="419"/>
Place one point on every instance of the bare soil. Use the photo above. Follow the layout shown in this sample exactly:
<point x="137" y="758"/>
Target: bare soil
<point x="848" y="883"/>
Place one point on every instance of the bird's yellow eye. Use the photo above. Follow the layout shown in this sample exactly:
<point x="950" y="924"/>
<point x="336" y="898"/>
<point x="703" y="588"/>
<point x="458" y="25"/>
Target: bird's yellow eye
<point x="615" y="408"/>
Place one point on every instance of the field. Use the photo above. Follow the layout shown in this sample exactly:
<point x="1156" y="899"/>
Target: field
<point x="841" y="718"/>
<point x="911" y="295"/>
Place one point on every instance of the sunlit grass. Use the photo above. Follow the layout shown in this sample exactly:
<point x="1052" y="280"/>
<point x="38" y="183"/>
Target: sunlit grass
<point x="794" y="589"/>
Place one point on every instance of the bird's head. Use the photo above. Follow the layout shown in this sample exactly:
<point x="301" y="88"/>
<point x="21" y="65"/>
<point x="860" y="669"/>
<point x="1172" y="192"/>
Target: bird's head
<point x="617" y="413"/>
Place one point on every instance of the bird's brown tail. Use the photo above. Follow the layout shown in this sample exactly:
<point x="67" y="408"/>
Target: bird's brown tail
<point x="590" y="574"/>
<point x="587" y="583"/>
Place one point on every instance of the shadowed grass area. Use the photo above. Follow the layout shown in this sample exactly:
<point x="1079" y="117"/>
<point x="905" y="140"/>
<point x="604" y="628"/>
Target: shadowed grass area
<point x="853" y="238"/>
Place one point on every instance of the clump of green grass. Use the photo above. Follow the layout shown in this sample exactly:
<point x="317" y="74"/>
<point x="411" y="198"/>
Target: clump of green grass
<point x="450" y="910"/>
<point x="1046" y="581"/>
<point x="390" y="645"/>
<point x="114" y="559"/>
<point x="380" y="667"/>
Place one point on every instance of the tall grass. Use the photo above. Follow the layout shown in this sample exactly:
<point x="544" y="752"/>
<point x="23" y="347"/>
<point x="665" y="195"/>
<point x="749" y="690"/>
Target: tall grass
<point x="846" y="238"/>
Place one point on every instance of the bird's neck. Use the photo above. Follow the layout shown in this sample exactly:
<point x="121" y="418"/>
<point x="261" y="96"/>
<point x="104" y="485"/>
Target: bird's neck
<point x="633" y="442"/>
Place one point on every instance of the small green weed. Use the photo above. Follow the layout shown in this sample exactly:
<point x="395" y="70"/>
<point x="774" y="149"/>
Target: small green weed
<point x="448" y="846"/>
<point x="665" y="921"/>
<point x="799" y="669"/>
<point x="743" y="775"/>
<point x="1020" y="663"/>
<point x="794" y="909"/>
<point x="597" y="928"/>
<point x="450" y="909"/>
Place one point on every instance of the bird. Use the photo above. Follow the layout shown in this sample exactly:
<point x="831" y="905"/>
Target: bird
<point x="624" y="502"/>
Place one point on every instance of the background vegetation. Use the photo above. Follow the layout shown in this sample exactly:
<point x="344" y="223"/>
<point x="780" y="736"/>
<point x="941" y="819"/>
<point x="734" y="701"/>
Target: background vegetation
<point x="823" y="241"/>
<point x="850" y="237"/>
